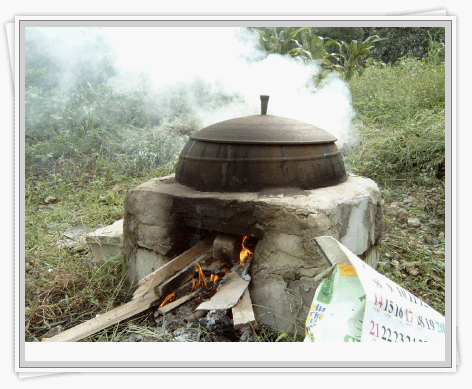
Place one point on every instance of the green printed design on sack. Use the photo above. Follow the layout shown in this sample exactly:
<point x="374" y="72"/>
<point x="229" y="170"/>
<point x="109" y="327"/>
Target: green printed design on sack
<point x="337" y="310"/>
<point x="326" y="290"/>
<point x="348" y="338"/>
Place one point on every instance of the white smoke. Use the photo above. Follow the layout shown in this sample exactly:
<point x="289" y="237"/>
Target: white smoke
<point x="225" y="60"/>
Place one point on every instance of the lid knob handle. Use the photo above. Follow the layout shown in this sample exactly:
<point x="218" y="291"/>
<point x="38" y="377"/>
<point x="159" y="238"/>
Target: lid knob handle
<point x="264" y="103"/>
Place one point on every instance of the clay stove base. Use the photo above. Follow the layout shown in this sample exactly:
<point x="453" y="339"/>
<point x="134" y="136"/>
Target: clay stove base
<point x="162" y="218"/>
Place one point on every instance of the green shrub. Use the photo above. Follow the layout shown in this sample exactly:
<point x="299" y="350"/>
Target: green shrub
<point x="402" y="111"/>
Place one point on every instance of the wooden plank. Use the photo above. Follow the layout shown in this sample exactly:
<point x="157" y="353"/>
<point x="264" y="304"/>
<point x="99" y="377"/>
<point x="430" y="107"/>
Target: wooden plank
<point x="142" y="299"/>
<point x="229" y="292"/>
<point x="103" y="321"/>
<point x="243" y="314"/>
<point x="147" y="284"/>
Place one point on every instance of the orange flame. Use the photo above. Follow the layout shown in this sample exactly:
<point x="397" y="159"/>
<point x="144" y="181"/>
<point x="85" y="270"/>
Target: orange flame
<point x="198" y="283"/>
<point x="245" y="251"/>
<point x="168" y="299"/>
<point x="201" y="275"/>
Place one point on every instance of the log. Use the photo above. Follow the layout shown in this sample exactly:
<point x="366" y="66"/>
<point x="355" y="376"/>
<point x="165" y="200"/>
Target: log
<point x="226" y="248"/>
<point x="243" y="314"/>
<point x="103" y="321"/>
<point x="147" y="284"/>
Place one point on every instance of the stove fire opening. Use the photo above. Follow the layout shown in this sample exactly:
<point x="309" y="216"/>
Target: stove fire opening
<point x="230" y="253"/>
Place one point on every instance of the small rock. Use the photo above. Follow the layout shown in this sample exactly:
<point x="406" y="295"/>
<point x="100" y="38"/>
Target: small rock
<point x="117" y="189"/>
<point x="408" y="200"/>
<point x="181" y="338"/>
<point x="45" y="207"/>
<point x="53" y="331"/>
<point x="402" y="215"/>
<point x="50" y="200"/>
<point x="412" y="270"/>
<point x="247" y="335"/>
<point x="391" y="210"/>
<point x="414" y="222"/>
<point x="434" y="241"/>
<point x="427" y="239"/>
<point x="77" y="232"/>
<point x="395" y="263"/>
<point x="215" y="319"/>
<point x="179" y="331"/>
<point x="436" y="278"/>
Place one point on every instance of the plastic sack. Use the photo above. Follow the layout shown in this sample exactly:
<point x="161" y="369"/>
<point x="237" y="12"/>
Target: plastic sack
<point x="337" y="295"/>
<point x="358" y="304"/>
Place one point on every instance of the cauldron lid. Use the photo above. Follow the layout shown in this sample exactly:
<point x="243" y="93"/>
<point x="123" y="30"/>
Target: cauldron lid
<point x="263" y="129"/>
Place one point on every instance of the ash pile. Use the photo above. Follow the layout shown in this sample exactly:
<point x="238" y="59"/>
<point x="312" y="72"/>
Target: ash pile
<point x="187" y="324"/>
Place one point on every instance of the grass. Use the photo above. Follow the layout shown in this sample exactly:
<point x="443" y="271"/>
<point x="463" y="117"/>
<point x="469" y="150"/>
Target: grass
<point x="401" y="121"/>
<point x="400" y="131"/>
<point x="89" y="169"/>
<point x="63" y="286"/>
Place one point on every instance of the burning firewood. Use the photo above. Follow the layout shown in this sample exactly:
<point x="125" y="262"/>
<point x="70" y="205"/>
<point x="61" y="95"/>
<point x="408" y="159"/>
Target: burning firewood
<point x="244" y="267"/>
<point x="147" y="284"/>
<point x="246" y="250"/>
<point x="162" y="310"/>
<point x="184" y="279"/>
<point x="198" y="288"/>
<point x="233" y="251"/>
<point x="229" y="293"/>
<point x="184" y="275"/>
<point x="143" y="299"/>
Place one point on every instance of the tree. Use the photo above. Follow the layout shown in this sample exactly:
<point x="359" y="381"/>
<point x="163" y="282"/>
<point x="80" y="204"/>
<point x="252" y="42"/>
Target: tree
<point x="404" y="42"/>
<point x="350" y="54"/>
<point x="346" y="34"/>
<point x="305" y="43"/>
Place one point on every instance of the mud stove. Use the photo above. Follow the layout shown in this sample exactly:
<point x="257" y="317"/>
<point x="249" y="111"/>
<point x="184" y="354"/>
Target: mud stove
<point x="277" y="180"/>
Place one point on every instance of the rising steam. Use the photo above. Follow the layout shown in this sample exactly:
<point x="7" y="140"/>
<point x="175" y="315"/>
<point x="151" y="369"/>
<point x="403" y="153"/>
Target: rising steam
<point x="218" y="73"/>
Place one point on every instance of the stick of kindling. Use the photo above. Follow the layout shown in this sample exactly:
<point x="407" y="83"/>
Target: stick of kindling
<point x="147" y="284"/>
<point x="103" y="321"/>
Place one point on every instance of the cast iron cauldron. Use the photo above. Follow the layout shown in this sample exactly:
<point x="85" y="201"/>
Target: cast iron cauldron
<point x="253" y="153"/>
